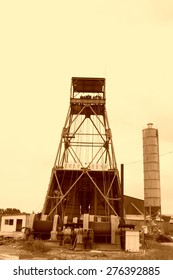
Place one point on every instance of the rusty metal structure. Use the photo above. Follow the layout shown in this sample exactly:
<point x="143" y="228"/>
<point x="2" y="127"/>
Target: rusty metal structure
<point x="84" y="178"/>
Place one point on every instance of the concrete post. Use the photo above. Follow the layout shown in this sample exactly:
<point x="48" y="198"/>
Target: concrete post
<point x="53" y="234"/>
<point x="86" y="221"/>
<point x="114" y="228"/>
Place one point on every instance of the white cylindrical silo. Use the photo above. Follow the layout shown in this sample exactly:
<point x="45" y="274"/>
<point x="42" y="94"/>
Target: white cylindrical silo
<point x="152" y="198"/>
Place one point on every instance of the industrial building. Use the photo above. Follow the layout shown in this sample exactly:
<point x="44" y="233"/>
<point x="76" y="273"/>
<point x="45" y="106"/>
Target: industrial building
<point x="86" y="191"/>
<point x="85" y="187"/>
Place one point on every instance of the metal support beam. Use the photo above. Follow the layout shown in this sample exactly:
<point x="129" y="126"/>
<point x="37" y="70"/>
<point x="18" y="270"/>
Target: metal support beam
<point x="65" y="194"/>
<point x="105" y="198"/>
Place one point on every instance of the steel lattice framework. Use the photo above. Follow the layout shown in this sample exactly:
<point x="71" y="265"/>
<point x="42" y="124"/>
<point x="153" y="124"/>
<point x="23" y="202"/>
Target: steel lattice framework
<point x="84" y="177"/>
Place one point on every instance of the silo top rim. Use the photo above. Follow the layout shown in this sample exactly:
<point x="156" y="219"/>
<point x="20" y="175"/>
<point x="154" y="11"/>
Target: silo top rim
<point x="149" y="125"/>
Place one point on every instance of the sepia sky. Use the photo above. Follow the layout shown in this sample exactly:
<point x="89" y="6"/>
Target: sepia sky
<point x="44" y="44"/>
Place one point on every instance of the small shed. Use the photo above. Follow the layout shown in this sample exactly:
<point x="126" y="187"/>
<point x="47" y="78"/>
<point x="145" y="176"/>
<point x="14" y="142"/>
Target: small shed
<point x="11" y="225"/>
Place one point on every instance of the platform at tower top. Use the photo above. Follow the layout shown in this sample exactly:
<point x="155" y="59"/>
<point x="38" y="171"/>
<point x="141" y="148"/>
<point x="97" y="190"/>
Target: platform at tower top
<point x="87" y="96"/>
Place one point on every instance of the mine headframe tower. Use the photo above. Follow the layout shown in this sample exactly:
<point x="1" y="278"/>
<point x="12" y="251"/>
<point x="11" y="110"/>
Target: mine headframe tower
<point x="84" y="177"/>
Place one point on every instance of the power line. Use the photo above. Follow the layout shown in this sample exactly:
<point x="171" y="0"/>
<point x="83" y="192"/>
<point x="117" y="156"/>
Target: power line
<point x="137" y="161"/>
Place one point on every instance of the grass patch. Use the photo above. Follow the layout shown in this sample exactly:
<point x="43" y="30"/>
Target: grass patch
<point x="161" y="251"/>
<point x="35" y="246"/>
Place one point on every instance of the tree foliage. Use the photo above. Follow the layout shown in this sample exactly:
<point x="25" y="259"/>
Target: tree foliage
<point x="9" y="211"/>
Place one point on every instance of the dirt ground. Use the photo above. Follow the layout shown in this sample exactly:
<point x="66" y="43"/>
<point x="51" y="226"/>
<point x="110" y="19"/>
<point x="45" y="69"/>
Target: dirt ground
<point x="46" y="250"/>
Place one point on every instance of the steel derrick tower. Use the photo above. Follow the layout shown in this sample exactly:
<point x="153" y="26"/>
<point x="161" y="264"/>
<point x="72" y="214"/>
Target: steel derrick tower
<point x="84" y="177"/>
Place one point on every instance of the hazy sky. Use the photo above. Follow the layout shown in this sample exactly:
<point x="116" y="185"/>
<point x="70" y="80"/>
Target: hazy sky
<point x="44" y="44"/>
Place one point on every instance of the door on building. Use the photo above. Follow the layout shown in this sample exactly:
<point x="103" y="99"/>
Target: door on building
<point x="18" y="224"/>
